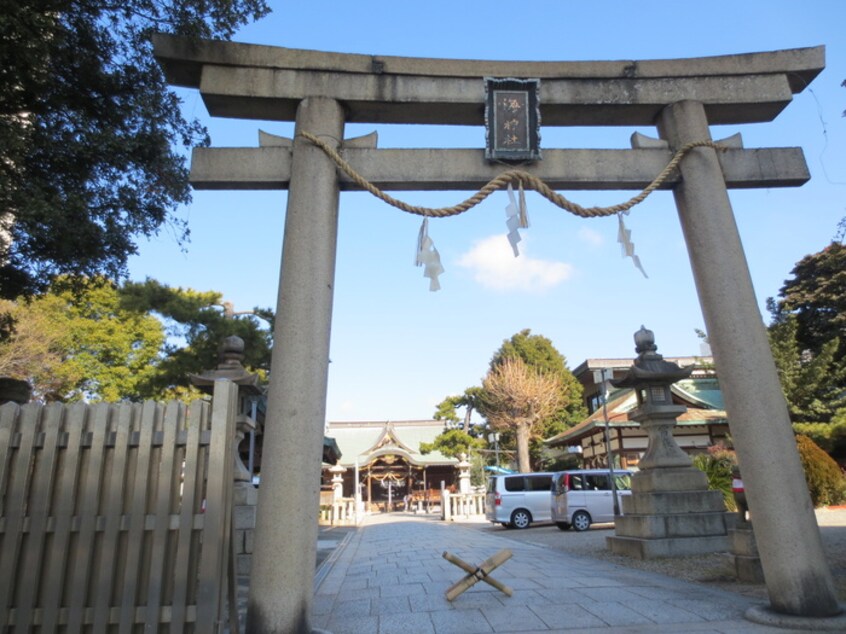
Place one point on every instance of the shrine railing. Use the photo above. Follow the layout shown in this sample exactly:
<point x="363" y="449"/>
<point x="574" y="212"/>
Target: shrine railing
<point x="462" y="506"/>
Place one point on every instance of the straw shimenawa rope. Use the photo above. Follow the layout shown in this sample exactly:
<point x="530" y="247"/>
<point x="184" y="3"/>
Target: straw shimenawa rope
<point x="514" y="176"/>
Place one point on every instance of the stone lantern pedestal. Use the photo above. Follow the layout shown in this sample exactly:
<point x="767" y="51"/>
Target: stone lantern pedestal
<point x="244" y="493"/>
<point x="671" y="512"/>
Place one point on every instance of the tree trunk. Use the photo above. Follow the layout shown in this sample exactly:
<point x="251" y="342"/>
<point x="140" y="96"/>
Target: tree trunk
<point x="523" y="464"/>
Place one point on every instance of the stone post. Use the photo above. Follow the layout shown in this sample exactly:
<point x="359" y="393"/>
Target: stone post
<point x="464" y="475"/>
<point x="337" y="472"/>
<point x="281" y="588"/>
<point x="798" y="578"/>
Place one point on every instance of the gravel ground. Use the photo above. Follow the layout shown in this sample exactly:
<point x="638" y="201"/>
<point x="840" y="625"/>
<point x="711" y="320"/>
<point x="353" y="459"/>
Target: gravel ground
<point x="716" y="569"/>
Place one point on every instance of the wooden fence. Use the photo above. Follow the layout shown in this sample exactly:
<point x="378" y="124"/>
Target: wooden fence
<point x="116" y="517"/>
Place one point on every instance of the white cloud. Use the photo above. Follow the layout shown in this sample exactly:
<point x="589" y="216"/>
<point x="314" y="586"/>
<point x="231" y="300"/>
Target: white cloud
<point x="591" y="237"/>
<point x="494" y="266"/>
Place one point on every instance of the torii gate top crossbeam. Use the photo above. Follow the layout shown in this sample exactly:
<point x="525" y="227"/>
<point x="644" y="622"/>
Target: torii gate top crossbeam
<point x="266" y="82"/>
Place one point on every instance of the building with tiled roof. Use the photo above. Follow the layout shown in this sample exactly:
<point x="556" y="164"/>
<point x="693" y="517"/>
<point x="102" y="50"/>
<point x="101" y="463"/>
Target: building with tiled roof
<point x="385" y="455"/>
<point x="702" y="425"/>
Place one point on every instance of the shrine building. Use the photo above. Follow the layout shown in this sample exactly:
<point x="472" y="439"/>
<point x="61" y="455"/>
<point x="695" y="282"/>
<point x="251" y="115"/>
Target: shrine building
<point x="385" y="455"/>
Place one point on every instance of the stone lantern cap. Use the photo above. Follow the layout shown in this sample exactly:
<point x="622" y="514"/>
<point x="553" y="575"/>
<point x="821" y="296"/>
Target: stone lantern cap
<point x="649" y="367"/>
<point x="230" y="367"/>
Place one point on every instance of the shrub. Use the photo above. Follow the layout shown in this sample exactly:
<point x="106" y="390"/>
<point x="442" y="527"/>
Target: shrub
<point x="826" y="483"/>
<point x="717" y="464"/>
<point x="831" y="437"/>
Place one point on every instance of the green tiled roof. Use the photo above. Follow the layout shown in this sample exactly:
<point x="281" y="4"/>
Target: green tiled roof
<point x="358" y="440"/>
<point x="706" y="391"/>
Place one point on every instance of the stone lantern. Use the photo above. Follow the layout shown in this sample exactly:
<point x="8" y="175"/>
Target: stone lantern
<point x="670" y="512"/>
<point x="651" y="377"/>
<point x="337" y="472"/>
<point x="230" y="367"/>
<point x="463" y="475"/>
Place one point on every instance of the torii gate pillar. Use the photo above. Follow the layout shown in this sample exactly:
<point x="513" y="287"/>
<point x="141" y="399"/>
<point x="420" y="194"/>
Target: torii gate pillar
<point x="286" y="524"/>
<point x="798" y="577"/>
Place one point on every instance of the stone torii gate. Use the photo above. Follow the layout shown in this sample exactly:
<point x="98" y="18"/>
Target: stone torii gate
<point x="682" y="98"/>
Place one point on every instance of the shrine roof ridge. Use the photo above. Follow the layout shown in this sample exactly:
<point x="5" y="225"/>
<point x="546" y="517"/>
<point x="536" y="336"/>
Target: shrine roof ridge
<point x="183" y="59"/>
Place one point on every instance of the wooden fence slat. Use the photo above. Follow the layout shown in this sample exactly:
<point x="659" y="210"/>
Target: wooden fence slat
<point x="63" y="505"/>
<point x="138" y="507"/>
<point x="39" y="507"/>
<point x="17" y="485"/>
<point x="112" y="511"/>
<point x="8" y="416"/>
<point x="198" y="411"/>
<point x="88" y="509"/>
<point x="173" y="415"/>
<point x="213" y="560"/>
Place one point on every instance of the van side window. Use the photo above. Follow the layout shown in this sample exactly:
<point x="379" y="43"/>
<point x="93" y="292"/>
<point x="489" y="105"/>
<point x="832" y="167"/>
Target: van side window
<point x="559" y="485"/>
<point x="623" y="482"/>
<point x="577" y="482"/>
<point x="538" y="483"/>
<point x="596" y="482"/>
<point x="516" y="483"/>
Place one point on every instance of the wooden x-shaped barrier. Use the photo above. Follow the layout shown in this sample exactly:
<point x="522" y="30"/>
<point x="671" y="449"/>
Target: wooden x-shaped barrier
<point x="478" y="573"/>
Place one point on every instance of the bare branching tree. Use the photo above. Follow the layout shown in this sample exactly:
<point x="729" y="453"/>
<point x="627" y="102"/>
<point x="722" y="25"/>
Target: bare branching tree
<point x="518" y="398"/>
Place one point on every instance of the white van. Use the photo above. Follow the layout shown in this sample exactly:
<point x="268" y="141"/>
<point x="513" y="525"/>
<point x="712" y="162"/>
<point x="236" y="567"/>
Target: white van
<point x="582" y="497"/>
<point x="518" y="499"/>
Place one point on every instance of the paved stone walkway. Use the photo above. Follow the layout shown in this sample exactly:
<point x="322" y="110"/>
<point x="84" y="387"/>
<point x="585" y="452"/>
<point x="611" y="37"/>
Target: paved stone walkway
<point x="391" y="577"/>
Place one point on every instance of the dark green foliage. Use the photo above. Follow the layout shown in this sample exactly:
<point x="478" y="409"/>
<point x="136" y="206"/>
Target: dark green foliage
<point x="812" y="381"/>
<point x="817" y="296"/>
<point x="90" y="134"/>
<point x="808" y="340"/>
<point x="446" y="410"/>
<point x="826" y="482"/>
<point x="197" y="324"/>
<point x="452" y="443"/>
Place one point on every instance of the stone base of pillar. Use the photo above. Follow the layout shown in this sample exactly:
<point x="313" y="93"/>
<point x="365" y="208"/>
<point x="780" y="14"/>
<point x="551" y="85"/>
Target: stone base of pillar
<point x="747" y="563"/>
<point x="245" y="498"/>
<point x="670" y="513"/>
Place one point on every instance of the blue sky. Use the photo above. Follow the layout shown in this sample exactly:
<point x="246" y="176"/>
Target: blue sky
<point x="398" y="349"/>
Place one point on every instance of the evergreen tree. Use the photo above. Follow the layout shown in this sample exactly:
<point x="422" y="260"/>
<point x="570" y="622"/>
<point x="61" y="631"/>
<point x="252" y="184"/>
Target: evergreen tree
<point x="197" y="322"/>
<point x="90" y="133"/>
<point x="816" y="295"/>
<point x="808" y="336"/>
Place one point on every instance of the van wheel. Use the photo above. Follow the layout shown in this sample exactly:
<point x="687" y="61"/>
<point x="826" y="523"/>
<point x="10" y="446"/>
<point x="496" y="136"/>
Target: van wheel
<point x="564" y="526"/>
<point x="581" y="520"/>
<point x="521" y="518"/>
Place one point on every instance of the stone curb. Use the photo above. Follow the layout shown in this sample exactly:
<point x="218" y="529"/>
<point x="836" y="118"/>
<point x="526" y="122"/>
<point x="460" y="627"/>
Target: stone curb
<point x="764" y="615"/>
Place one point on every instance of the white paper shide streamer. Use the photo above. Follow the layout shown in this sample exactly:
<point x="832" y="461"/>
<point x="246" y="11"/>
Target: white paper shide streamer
<point x="428" y="257"/>
<point x="516" y="217"/>
<point x="624" y="237"/>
